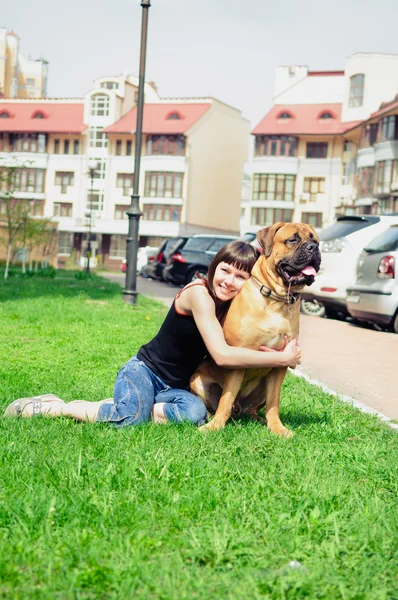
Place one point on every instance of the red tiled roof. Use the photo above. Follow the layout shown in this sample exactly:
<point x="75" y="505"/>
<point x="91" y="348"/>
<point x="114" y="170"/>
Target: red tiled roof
<point x="325" y="73"/>
<point x="59" y="117"/>
<point x="305" y="120"/>
<point x="385" y="108"/>
<point x="155" y="118"/>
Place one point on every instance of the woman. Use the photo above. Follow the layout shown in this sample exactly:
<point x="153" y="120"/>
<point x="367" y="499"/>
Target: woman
<point x="155" y="382"/>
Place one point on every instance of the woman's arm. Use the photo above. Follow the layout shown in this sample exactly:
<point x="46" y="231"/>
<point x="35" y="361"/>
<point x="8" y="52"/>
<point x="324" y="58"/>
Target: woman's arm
<point x="197" y="301"/>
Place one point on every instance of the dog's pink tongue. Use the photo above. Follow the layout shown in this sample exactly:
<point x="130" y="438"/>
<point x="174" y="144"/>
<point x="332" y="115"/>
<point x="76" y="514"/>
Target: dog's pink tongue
<point x="309" y="271"/>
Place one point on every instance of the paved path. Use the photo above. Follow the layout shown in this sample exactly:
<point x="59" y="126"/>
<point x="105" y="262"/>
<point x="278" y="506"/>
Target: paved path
<point x="354" y="361"/>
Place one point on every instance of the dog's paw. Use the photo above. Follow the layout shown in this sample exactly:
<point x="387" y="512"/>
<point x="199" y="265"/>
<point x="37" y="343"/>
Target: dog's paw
<point x="282" y="431"/>
<point x="212" y="425"/>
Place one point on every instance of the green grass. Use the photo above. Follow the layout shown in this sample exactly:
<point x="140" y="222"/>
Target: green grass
<point x="164" y="512"/>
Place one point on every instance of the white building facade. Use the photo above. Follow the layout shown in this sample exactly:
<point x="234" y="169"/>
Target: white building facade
<point x="192" y="164"/>
<point x="304" y="166"/>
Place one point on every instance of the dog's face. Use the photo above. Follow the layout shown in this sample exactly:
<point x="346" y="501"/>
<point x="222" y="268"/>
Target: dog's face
<point x="292" y="250"/>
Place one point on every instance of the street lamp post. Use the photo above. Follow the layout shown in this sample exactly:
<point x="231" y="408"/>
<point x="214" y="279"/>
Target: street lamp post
<point x="134" y="213"/>
<point x="92" y="167"/>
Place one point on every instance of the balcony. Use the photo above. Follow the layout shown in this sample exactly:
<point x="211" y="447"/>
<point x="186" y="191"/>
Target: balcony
<point x="365" y="157"/>
<point x="387" y="150"/>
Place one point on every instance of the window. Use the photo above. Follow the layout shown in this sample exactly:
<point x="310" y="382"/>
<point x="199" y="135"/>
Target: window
<point x="163" y="185"/>
<point x="317" y="149"/>
<point x="273" y="187"/>
<point x="314" y="186"/>
<point x="269" y="216"/>
<point x="36" y="208"/>
<point x="118" y="246"/>
<point x="357" y="84"/>
<point x="30" y="81"/>
<point x="29" y="180"/>
<point x="56" y="146"/>
<point x="326" y="115"/>
<point x="384" y="171"/>
<point x="64" y="242"/>
<point x="174" y="116"/>
<point x="120" y="211"/>
<point x="28" y="142"/>
<point x="285" y="115"/>
<point x="97" y="139"/>
<point x="110" y="85"/>
<point x="62" y="209"/>
<point x="118" y="147"/>
<point x="66" y="146"/>
<point x="365" y="181"/>
<point x="4" y="114"/>
<point x="368" y="135"/>
<point x="389" y="128"/>
<point x="64" y="179"/>
<point x="95" y="200"/>
<point x="345" y="180"/>
<point x="100" y="171"/>
<point x="347" y="146"/>
<point x="162" y="212"/>
<point x="312" y="218"/>
<point x="275" y="145"/>
<point x="100" y="105"/>
<point x="125" y="181"/>
<point x="128" y="147"/>
<point x="165" y="144"/>
<point x="76" y="147"/>
<point x="38" y="115"/>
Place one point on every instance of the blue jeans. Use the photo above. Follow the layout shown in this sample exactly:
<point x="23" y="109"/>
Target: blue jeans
<point x="137" y="389"/>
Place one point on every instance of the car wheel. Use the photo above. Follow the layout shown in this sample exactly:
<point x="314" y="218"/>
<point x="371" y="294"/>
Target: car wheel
<point x="312" y="308"/>
<point x="394" y="325"/>
<point x="193" y="274"/>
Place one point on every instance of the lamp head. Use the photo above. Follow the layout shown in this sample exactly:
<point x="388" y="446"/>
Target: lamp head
<point x="92" y="165"/>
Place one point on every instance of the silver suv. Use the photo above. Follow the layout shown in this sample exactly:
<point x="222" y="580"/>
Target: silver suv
<point x="374" y="297"/>
<point x="341" y="245"/>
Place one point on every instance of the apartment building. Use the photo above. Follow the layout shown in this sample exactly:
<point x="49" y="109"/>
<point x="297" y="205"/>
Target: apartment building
<point x="192" y="164"/>
<point x="376" y="161"/>
<point x="20" y="77"/>
<point x="304" y="165"/>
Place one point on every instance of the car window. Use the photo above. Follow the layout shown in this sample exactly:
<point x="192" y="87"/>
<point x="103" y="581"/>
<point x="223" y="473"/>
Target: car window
<point x="218" y="244"/>
<point x="170" y="246"/>
<point x="385" y="242"/>
<point x="199" y="244"/>
<point x="345" y="227"/>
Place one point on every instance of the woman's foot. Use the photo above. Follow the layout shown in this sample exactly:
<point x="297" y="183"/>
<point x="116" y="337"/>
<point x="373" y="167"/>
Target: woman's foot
<point x="47" y="404"/>
<point x="158" y="415"/>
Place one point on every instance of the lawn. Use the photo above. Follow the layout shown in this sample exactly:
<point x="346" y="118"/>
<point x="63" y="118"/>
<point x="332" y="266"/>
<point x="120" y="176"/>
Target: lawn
<point x="165" y="512"/>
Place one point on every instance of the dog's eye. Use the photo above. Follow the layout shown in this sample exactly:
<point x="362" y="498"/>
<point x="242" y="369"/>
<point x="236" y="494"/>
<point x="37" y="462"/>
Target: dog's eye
<point x="292" y="240"/>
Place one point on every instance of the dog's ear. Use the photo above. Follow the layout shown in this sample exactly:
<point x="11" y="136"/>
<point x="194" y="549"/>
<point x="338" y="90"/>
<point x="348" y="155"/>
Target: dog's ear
<point x="265" y="237"/>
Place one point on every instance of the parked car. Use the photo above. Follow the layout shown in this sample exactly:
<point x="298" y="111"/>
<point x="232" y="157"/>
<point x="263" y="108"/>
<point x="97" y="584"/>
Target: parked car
<point x="145" y="253"/>
<point x="374" y="297"/>
<point x="341" y="245"/>
<point x="157" y="262"/>
<point x="194" y="257"/>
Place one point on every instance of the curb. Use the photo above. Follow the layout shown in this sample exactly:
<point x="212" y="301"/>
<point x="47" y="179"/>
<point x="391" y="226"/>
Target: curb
<point x="348" y="399"/>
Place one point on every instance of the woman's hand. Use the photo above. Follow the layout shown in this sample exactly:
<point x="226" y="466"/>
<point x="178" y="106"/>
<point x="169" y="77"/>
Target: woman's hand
<point x="290" y="355"/>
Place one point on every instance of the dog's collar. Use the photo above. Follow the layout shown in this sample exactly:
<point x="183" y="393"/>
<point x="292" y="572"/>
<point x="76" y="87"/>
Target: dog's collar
<point x="268" y="293"/>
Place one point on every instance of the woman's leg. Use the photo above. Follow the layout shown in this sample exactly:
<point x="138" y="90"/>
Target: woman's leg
<point x="178" y="406"/>
<point x="134" y="395"/>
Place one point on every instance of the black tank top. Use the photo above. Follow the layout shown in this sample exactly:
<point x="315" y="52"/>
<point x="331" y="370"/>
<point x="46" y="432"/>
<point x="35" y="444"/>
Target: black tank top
<point x="176" y="351"/>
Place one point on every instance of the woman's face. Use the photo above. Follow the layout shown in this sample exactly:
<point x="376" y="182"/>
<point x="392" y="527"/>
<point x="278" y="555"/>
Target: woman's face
<point x="228" y="281"/>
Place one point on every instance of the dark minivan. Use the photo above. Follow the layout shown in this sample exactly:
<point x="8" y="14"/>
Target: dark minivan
<point x="154" y="267"/>
<point x="194" y="257"/>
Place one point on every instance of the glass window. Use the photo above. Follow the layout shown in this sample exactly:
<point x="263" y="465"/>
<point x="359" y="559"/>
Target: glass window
<point x="273" y="187"/>
<point x="100" y="105"/>
<point x="97" y="139"/>
<point x="76" y="147"/>
<point x="66" y="146"/>
<point x="317" y="149"/>
<point x="128" y="147"/>
<point x="118" y="147"/>
<point x="56" y="146"/>
<point x="357" y="84"/>
<point x="125" y="181"/>
<point x="64" y="242"/>
<point x="312" y="218"/>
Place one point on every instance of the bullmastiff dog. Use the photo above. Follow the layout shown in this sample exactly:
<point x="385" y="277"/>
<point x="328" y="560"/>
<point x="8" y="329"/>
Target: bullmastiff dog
<point x="265" y="313"/>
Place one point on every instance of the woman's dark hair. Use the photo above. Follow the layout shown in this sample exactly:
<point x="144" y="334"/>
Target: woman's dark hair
<point x="239" y="254"/>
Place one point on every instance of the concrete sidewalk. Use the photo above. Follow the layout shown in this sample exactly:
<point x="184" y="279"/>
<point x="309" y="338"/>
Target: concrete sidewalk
<point x="353" y="361"/>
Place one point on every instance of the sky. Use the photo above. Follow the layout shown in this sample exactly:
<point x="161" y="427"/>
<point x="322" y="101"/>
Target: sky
<point x="227" y="49"/>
